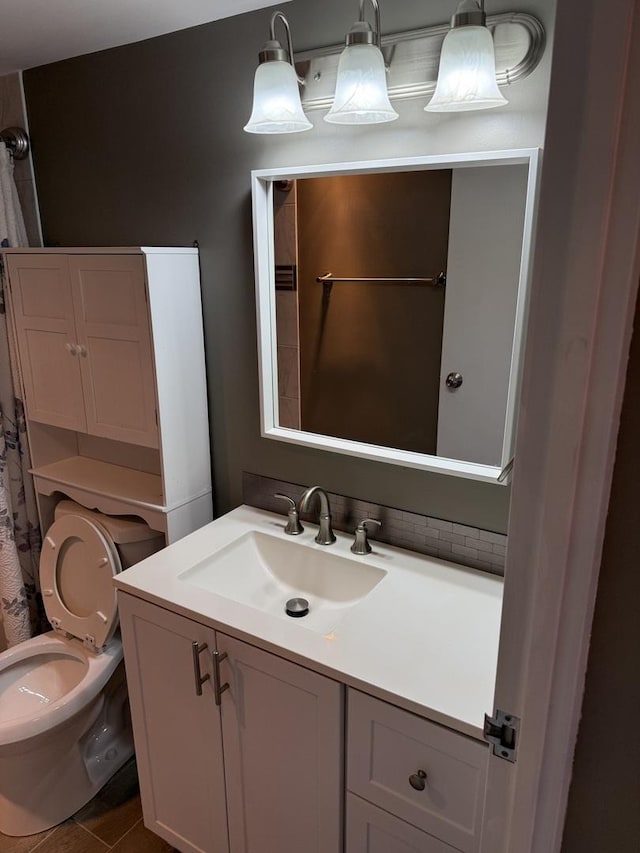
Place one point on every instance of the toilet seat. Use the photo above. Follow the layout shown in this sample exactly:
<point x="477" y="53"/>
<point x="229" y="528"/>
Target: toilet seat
<point x="77" y="566"/>
<point x="19" y="724"/>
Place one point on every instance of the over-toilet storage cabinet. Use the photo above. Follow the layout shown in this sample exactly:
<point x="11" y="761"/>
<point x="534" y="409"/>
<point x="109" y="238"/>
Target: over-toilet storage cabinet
<point x="111" y="357"/>
<point x="256" y="768"/>
<point x="278" y="766"/>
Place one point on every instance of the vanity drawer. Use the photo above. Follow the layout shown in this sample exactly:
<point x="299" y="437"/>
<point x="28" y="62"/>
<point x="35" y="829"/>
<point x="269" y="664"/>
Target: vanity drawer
<point x="371" y="830"/>
<point x="387" y="746"/>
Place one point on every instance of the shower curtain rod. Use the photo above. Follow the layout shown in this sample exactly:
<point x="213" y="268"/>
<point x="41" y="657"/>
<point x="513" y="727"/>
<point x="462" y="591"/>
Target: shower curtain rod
<point x="16" y="140"/>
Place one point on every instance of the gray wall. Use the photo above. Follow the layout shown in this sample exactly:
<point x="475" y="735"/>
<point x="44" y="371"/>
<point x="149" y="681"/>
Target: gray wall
<point x="144" y="145"/>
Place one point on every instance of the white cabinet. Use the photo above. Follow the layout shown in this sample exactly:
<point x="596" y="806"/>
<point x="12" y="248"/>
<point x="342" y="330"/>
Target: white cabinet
<point x="269" y="744"/>
<point x="111" y="353"/>
<point x="178" y="737"/>
<point x="85" y="343"/>
<point x="45" y="327"/>
<point x="372" y="830"/>
<point x="430" y="777"/>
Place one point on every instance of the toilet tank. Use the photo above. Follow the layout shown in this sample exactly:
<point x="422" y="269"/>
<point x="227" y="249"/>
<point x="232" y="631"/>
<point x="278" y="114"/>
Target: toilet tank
<point x="133" y="537"/>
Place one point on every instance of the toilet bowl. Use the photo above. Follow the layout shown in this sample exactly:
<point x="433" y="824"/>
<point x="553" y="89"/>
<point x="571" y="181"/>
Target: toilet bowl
<point x="64" y="717"/>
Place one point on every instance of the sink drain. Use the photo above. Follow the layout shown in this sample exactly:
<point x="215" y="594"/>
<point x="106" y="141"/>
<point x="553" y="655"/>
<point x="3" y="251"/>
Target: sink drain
<point x="296" y="607"/>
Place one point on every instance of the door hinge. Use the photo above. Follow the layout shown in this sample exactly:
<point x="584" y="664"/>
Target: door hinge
<point x="502" y="731"/>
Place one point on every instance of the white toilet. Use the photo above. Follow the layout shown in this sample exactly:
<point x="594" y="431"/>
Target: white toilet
<point x="64" y="716"/>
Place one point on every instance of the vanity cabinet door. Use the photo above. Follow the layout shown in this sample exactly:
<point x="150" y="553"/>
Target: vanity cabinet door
<point x="46" y="333"/>
<point x="177" y="733"/>
<point x="282" y="732"/>
<point x="372" y="830"/>
<point x="115" y="354"/>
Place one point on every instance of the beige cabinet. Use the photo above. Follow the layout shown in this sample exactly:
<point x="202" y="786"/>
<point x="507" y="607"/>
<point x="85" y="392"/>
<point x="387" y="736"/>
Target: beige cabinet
<point x="255" y="746"/>
<point x="111" y="353"/>
<point x="85" y="345"/>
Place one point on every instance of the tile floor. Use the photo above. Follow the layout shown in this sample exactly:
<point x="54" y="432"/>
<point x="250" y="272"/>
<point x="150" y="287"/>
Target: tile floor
<point x="112" y="821"/>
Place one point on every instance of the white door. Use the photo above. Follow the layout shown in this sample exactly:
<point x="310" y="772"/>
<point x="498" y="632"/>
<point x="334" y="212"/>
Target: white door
<point x="109" y="295"/>
<point x="282" y="731"/>
<point x="177" y="732"/>
<point x="46" y="333"/>
<point x="483" y="276"/>
<point x="584" y="288"/>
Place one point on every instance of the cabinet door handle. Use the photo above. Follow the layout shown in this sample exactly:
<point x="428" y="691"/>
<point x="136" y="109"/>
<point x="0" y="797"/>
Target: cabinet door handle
<point x="218" y="689"/>
<point x="72" y="349"/>
<point x="200" y="679"/>
<point x="418" y="780"/>
<point x="82" y="350"/>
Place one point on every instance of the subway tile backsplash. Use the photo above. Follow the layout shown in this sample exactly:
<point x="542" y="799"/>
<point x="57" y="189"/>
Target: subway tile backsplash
<point x="459" y="543"/>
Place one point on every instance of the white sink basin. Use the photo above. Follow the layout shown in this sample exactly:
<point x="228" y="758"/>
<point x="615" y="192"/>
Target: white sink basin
<point x="264" y="572"/>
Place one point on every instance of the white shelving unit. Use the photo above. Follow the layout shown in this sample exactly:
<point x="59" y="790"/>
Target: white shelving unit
<point x="111" y="354"/>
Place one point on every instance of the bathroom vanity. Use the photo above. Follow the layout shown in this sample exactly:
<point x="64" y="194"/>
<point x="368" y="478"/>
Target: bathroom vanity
<point x="357" y="730"/>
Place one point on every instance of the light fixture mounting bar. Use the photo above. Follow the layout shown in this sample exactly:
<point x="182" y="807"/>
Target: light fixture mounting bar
<point x="413" y="57"/>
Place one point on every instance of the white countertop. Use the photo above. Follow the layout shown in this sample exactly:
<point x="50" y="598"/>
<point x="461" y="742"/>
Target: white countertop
<point x="426" y="638"/>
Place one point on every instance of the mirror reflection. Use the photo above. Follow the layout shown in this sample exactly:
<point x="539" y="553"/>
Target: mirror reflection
<point x="396" y="300"/>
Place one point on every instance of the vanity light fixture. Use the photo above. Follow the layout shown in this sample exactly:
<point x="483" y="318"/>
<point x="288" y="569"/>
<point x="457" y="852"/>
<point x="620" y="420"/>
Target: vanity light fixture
<point x="361" y="95"/>
<point x="276" y="97"/>
<point x="467" y="72"/>
<point x="453" y="62"/>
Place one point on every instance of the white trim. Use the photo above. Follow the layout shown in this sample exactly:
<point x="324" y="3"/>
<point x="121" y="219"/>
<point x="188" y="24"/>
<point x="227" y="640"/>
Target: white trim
<point x="102" y="250"/>
<point x="586" y="270"/>
<point x="397" y="164"/>
<point x="437" y="464"/>
<point x="263" y="231"/>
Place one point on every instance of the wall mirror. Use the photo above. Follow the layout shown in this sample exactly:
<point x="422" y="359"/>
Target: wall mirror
<point x="391" y="300"/>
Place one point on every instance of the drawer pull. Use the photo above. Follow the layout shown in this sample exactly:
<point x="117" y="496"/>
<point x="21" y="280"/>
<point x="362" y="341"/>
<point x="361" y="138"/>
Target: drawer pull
<point x="218" y="688"/>
<point x="196" y="649"/>
<point x="418" y="780"/>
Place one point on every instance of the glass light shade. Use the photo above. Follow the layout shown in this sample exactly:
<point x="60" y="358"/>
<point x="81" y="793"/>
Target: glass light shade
<point x="361" y="88"/>
<point x="276" y="100"/>
<point x="467" y="73"/>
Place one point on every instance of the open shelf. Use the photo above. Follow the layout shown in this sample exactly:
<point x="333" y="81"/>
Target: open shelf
<point x="102" y="480"/>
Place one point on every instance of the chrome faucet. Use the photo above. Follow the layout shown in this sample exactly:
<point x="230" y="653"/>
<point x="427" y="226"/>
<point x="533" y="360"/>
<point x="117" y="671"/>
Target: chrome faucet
<point x="325" y="535"/>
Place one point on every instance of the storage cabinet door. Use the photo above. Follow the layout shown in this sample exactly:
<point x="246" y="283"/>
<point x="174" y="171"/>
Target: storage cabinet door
<point x="372" y="830"/>
<point x="109" y="295"/>
<point x="282" y="731"/>
<point x="177" y="733"/>
<point x="49" y="358"/>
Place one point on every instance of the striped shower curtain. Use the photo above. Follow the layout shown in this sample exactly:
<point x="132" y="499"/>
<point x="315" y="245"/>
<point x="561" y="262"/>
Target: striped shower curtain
<point x="19" y="531"/>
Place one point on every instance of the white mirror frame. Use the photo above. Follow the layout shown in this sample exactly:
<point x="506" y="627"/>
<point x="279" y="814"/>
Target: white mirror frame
<point x="264" y="256"/>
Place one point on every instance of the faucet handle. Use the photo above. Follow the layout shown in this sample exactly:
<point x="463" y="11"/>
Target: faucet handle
<point x="361" y="542"/>
<point x="293" y="526"/>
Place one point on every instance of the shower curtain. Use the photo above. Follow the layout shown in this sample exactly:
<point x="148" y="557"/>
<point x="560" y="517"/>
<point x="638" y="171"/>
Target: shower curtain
<point x="20" y="607"/>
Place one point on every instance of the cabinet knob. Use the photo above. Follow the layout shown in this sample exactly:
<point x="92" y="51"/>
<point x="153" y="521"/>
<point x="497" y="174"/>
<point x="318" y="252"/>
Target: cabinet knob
<point x="453" y="380"/>
<point x="72" y="349"/>
<point x="82" y="350"/>
<point x="418" y="780"/>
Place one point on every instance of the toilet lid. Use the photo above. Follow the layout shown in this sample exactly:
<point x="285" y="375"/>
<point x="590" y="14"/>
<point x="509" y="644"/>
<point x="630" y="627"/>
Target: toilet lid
<point x="77" y="566"/>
